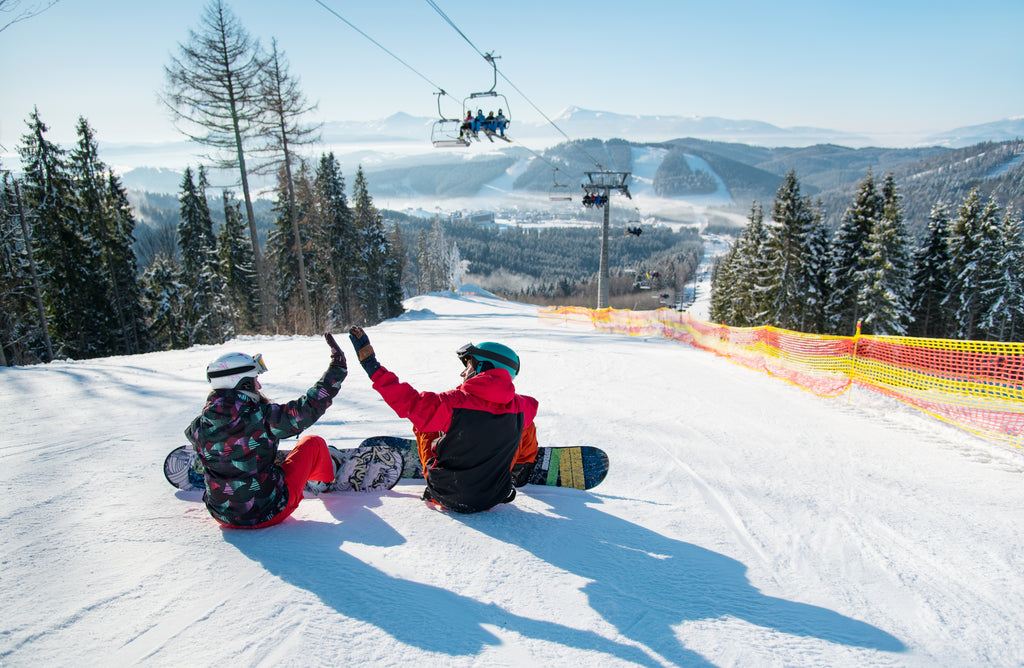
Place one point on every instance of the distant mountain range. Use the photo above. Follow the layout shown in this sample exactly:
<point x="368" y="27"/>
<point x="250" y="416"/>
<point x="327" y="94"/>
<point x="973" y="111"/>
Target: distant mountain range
<point x="714" y="161"/>
<point x="589" y="124"/>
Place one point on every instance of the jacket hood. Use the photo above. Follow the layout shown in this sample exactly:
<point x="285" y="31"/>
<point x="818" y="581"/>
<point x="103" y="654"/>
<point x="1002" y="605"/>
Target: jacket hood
<point x="226" y="413"/>
<point x="493" y="385"/>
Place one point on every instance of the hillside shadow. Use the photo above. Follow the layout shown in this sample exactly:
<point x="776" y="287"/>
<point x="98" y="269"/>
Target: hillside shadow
<point x="309" y="555"/>
<point x="645" y="583"/>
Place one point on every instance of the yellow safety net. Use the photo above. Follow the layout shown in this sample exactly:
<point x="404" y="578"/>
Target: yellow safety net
<point x="977" y="385"/>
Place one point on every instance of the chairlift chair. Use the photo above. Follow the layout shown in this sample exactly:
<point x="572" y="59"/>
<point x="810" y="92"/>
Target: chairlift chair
<point x="446" y="132"/>
<point x="559" y="191"/>
<point x="471" y="104"/>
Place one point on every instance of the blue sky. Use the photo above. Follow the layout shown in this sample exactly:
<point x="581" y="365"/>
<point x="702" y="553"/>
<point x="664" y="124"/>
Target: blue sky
<point x="882" y="67"/>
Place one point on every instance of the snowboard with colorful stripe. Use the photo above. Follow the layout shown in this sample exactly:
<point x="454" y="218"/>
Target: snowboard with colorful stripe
<point x="579" y="467"/>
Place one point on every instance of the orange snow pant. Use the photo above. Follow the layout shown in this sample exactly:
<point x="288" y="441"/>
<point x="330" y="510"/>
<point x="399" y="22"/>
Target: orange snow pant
<point x="527" y="445"/>
<point x="308" y="460"/>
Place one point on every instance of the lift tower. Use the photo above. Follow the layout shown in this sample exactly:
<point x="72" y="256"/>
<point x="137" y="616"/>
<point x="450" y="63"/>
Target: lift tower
<point x="602" y="184"/>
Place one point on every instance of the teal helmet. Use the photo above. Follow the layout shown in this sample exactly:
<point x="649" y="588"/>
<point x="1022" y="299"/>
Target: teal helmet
<point x="490" y="355"/>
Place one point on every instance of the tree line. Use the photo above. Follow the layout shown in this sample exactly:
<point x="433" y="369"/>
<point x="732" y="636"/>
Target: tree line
<point x="70" y="283"/>
<point x="963" y="280"/>
<point x="71" y="287"/>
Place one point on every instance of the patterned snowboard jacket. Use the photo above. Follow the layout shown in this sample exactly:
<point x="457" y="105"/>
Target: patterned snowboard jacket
<point x="236" y="438"/>
<point x="482" y="420"/>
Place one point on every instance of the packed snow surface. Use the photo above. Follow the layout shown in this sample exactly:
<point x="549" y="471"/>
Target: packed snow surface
<point x="744" y="522"/>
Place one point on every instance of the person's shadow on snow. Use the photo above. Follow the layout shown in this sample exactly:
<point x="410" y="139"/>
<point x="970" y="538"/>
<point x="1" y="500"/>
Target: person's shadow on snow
<point x="644" y="583"/>
<point x="309" y="555"/>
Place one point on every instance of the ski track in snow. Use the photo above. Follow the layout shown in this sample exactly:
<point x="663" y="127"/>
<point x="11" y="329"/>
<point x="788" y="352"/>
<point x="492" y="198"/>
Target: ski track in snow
<point x="744" y="521"/>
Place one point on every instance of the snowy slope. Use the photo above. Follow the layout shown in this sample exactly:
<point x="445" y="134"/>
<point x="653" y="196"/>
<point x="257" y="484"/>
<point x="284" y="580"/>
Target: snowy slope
<point x="744" y="522"/>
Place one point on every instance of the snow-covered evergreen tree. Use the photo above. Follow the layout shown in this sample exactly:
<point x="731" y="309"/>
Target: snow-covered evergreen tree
<point x="755" y="272"/>
<point x="788" y="289"/>
<point x="126" y="291"/>
<point x="69" y="262"/>
<point x="723" y="286"/>
<point x="164" y="298"/>
<point x="737" y="295"/>
<point x="206" y="316"/>
<point x="885" y="295"/>
<point x="849" y="257"/>
<point x="974" y="243"/>
<point x="339" y="239"/>
<point x="234" y="250"/>
<point x="107" y="219"/>
<point x="283" y="259"/>
<point x="20" y="326"/>
<point x="1004" y="320"/>
<point x="438" y="260"/>
<point x="929" y="317"/>
<point x="381" y="271"/>
<point x="817" y="268"/>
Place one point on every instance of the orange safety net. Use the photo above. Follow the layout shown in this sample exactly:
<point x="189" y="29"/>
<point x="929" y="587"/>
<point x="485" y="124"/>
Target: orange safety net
<point x="977" y="385"/>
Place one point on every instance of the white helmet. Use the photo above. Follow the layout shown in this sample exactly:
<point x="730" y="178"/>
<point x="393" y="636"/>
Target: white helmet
<point x="228" y="371"/>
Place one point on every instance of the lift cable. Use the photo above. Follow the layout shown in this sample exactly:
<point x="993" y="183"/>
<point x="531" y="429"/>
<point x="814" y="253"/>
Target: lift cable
<point x="381" y="46"/>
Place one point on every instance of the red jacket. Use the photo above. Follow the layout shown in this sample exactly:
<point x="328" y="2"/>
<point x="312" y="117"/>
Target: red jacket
<point x="482" y="421"/>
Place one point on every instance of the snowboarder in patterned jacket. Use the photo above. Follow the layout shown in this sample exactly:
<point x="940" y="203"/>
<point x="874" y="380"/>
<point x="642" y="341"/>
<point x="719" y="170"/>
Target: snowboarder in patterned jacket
<point x="475" y="440"/>
<point x="237" y="434"/>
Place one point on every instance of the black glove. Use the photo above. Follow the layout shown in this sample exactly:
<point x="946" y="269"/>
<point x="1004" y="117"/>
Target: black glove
<point x="361" y="342"/>
<point x="337" y="357"/>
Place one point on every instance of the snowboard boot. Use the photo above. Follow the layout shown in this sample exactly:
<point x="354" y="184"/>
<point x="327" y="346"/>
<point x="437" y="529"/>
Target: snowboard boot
<point x="521" y="473"/>
<point x="319" y="487"/>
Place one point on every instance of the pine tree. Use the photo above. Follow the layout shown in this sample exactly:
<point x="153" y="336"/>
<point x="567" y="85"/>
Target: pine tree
<point x="206" y="316"/>
<point x="164" y="296"/>
<point x="70" y="260"/>
<point x="929" y="317"/>
<point x="16" y="317"/>
<point x="235" y="254"/>
<point x="293" y="215"/>
<point x="106" y="217"/>
<point x="973" y="250"/>
<point x="213" y="89"/>
<point x="380" y="270"/>
<point x="788" y="247"/>
<point x="755" y="273"/>
<point x="723" y="286"/>
<point x="884" y="298"/>
<point x="283" y="131"/>
<point x="126" y="297"/>
<point x="849" y="257"/>
<point x="737" y="298"/>
<point x="339" y="238"/>
<point x="817" y="268"/>
<point x="1004" y="320"/>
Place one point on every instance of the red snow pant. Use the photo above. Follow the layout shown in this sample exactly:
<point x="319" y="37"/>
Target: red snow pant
<point x="308" y="460"/>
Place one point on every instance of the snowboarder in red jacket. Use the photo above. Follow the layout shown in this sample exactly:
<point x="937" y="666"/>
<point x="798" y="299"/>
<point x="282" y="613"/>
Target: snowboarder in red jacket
<point x="471" y="437"/>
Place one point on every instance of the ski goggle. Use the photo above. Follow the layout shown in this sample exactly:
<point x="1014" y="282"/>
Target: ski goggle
<point x="465" y="352"/>
<point x="261" y="366"/>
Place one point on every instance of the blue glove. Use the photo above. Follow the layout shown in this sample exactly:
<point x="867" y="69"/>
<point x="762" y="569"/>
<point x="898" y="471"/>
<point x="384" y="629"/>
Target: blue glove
<point x="361" y="342"/>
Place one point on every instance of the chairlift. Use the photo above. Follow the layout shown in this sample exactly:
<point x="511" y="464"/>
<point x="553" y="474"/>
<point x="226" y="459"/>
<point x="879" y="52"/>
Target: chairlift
<point x="500" y="101"/>
<point x="559" y="191"/>
<point x="447" y="132"/>
<point x="633" y="224"/>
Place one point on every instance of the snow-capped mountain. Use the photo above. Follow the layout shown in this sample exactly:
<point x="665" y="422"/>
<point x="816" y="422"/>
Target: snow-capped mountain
<point x="997" y="131"/>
